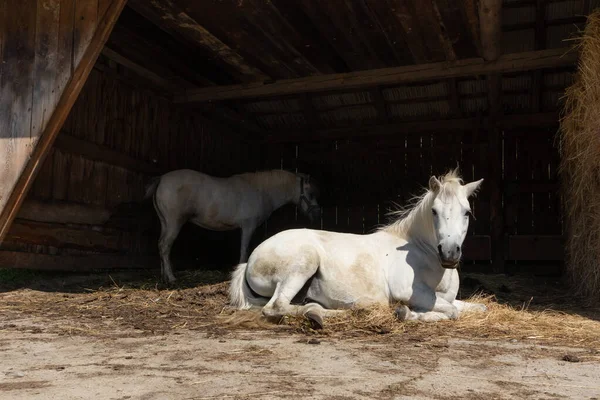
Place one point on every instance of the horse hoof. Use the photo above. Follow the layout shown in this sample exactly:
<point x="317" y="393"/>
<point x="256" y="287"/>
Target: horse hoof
<point x="316" y="322"/>
<point x="402" y="313"/>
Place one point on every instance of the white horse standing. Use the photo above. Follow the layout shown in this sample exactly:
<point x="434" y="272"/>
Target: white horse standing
<point x="220" y="204"/>
<point x="412" y="261"/>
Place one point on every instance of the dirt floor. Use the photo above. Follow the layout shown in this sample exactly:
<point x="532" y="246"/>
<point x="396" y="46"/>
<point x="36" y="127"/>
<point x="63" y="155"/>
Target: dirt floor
<point x="122" y="336"/>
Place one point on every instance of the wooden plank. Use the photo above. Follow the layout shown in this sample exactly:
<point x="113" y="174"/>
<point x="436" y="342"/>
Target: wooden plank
<point x="429" y="23"/>
<point x="405" y="50"/>
<point x="535" y="248"/>
<point x="79" y="263"/>
<point x="16" y="92"/>
<point x="96" y="152"/>
<point x="45" y="95"/>
<point x="174" y="20"/>
<point x="454" y="98"/>
<point x="404" y="18"/>
<point x="59" y="115"/>
<point x="86" y="20"/>
<point x="83" y="237"/>
<point x="413" y="128"/>
<point x="62" y="212"/>
<point x="456" y="27"/>
<point x="307" y="40"/>
<point x="516" y="62"/>
<point x="331" y="19"/>
<point x="42" y="186"/>
<point x="477" y="248"/>
<point x="490" y="25"/>
<point x="495" y="168"/>
<point x="471" y="14"/>
<point x="140" y="70"/>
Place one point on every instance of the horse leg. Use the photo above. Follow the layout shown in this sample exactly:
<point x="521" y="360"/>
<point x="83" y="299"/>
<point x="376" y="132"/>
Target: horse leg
<point x="168" y="233"/>
<point x="247" y="231"/>
<point x="280" y="303"/>
<point x="423" y="311"/>
<point x="466" y="306"/>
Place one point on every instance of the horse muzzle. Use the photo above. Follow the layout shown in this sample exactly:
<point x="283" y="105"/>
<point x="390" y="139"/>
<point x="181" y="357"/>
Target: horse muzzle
<point x="450" y="264"/>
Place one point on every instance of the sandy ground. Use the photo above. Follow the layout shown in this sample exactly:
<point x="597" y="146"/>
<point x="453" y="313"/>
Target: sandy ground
<point x="80" y="341"/>
<point x="194" y="365"/>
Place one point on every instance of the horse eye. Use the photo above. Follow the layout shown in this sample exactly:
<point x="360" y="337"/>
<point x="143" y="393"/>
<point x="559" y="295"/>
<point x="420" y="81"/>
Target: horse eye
<point x="468" y="213"/>
<point x="433" y="211"/>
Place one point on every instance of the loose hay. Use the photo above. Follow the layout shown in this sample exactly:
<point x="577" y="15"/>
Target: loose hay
<point x="502" y="321"/>
<point x="580" y="166"/>
<point x="116" y="310"/>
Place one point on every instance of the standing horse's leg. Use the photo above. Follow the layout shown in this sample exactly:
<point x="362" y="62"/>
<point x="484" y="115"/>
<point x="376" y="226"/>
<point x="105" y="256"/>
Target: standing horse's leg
<point x="247" y="231"/>
<point x="168" y="233"/>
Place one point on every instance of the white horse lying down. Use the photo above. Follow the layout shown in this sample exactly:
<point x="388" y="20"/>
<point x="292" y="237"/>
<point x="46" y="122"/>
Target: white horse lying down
<point x="412" y="261"/>
<point x="221" y="204"/>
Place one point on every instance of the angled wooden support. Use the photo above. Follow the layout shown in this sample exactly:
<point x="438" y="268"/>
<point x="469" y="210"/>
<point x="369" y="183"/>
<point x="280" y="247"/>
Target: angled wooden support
<point x="86" y="56"/>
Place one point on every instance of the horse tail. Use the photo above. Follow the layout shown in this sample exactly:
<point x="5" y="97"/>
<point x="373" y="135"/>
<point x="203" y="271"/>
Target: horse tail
<point x="240" y="293"/>
<point x="151" y="187"/>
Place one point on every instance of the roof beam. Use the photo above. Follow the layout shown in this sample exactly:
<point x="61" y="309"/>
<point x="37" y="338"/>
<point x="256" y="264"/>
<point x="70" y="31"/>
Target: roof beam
<point x="490" y="26"/>
<point x="385" y="76"/>
<point x="140" y="70"/>
<point x="416" y="127"/>
<point x="173" y="20"/>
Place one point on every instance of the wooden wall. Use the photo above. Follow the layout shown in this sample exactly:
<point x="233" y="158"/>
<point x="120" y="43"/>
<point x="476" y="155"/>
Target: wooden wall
<point x="88" y="195"/>
<point x="41" y="45"/>
<point x="361" y="179"/>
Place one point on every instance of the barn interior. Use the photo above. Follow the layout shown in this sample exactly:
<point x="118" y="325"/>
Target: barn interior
<point x="370" y="97"/>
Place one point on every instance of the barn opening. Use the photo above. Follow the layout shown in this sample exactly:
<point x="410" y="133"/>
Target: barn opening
<point x="369" y="97"/>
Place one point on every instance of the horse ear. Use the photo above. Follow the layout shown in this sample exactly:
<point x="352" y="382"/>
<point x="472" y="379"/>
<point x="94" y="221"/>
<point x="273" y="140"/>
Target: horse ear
<point x="434" y="184"/>
<point x="472" y="187"/>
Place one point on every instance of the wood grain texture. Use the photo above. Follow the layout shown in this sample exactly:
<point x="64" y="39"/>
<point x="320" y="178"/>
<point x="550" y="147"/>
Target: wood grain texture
<point x="37" y="155"/>
<point x="355" y="80"/>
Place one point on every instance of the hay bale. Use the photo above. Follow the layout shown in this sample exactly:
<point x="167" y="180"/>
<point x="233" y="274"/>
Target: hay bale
<point x="580" y="166"/>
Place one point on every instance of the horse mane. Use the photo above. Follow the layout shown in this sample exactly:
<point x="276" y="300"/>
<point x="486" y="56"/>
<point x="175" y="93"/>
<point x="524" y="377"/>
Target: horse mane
<point x="420" y="205"/>
<point x="269" y="178"/>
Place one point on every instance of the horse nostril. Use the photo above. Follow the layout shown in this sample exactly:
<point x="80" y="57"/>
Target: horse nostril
<point x="458" y="249"/>
<point x="440" y="250"/>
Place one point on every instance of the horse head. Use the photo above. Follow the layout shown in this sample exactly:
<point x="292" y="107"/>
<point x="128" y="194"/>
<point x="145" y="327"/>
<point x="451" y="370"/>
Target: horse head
<point x="307" y="193"/>
<point x="450" y="211"/>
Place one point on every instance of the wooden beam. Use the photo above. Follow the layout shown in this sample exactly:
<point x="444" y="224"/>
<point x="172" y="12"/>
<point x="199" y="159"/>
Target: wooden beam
<point x="62" y="212"/>
<point x="62" y="236"/>
<point x="517" y="62"/>
<point x="540" y="43"/>
<point x="61" y="111"/>
<point x="490" y="25"/>
<point x="97" y="152"/>
<point x="77" y="263"/>
<point x="141" y="71"/>
<point x="176" y="22"/>
<point x="495" y="167"/>
<point x="415" y="127"/>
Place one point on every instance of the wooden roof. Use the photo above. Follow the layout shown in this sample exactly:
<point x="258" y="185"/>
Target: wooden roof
<point x="307" y="64"/>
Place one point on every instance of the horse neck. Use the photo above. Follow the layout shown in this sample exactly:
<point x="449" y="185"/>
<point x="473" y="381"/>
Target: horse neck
<point x="417" y="227"/>
<point x="279" y="189"/>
